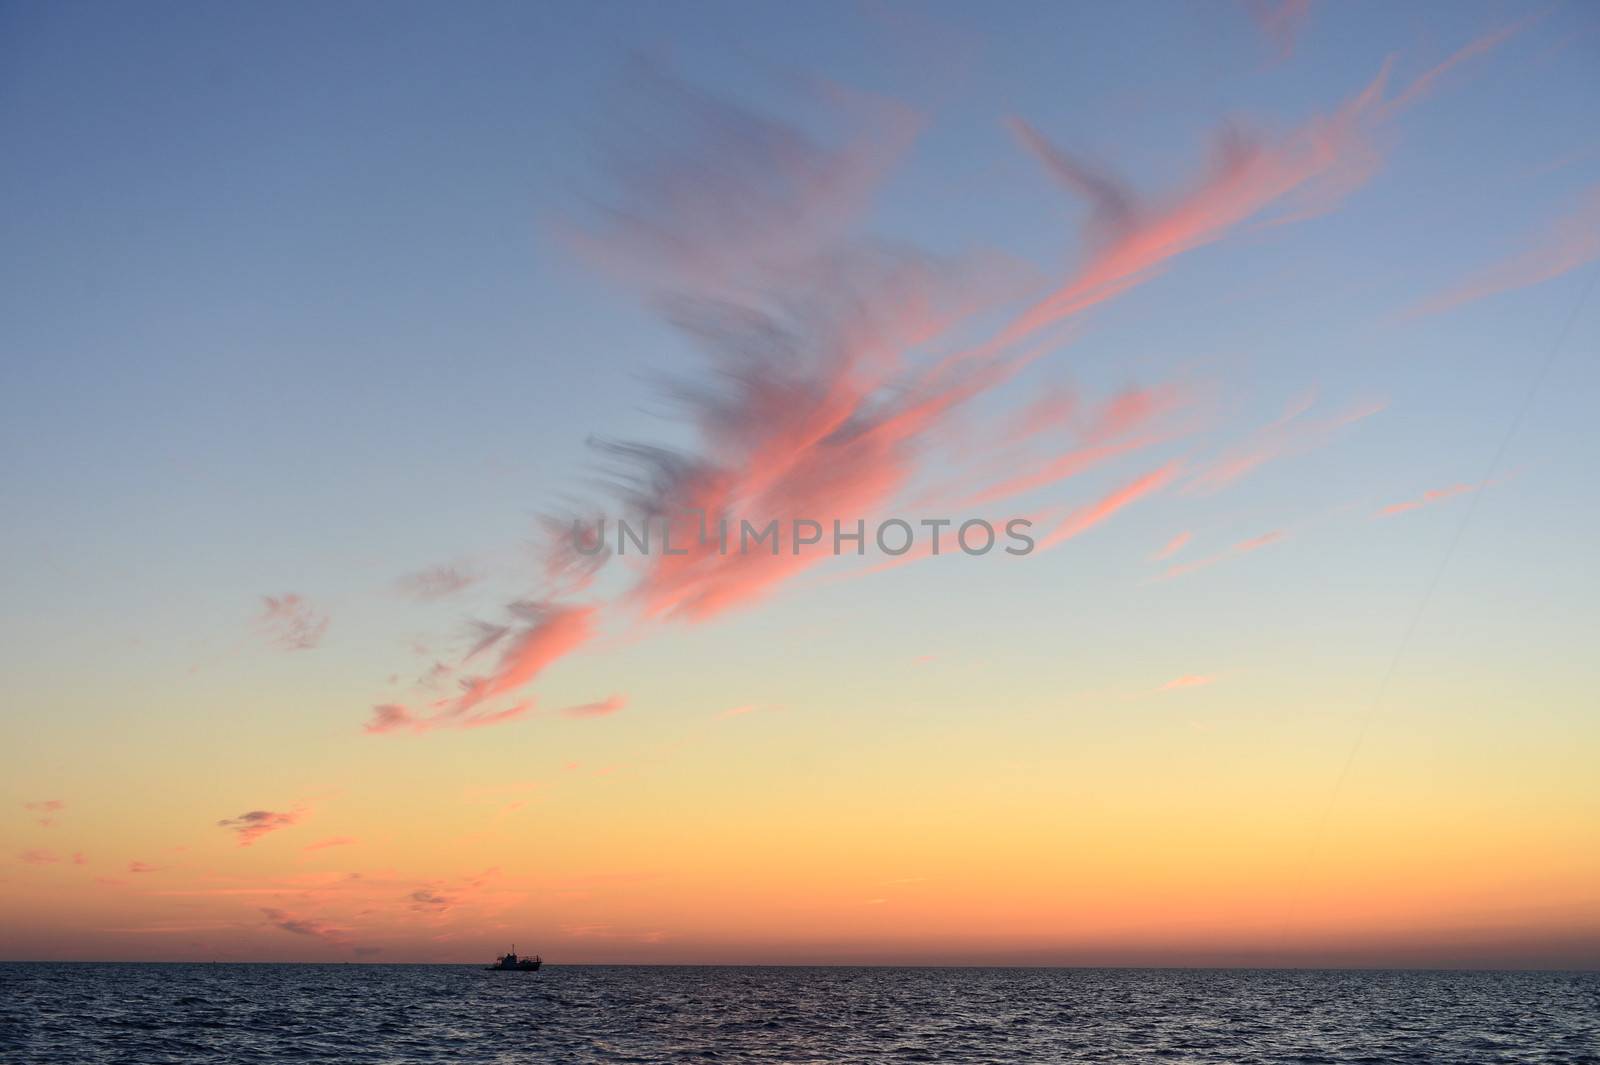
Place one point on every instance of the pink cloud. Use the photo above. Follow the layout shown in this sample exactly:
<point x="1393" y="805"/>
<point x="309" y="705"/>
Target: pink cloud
<point x="395" y="718"/>
<point x="1086" y="518"/>
<point x="38" y="857"/>
<point x="1284" y="437"/>
<point x="1188" y="680"/>
<point x="1130" y="239"/>
<point x="48" y="807"/>
<point x="483" y="719"/>
<point x="838" y="433"/>
<point x="1434" y="495"/>
<point x="289" y="622"/>
<point x="835" y="380"/>
<point x="550" y="632"/>
<point x="253" y="824"/>
<point x="1306" y="172"/>
<point x="1173" y="546"/>
<point x="547" y="632"/>
<point x="142" y="867"/>
<point x="1052" y="410"/>
<point x="1123" y="425"/>
<point x="1257" y="542"/>
<point x="599" y="709"/>
<point x="1573" y="241"/>
<point x="832" y="376"/>
<point x="1243" y="547"/>
<point x="1424" y="85"/>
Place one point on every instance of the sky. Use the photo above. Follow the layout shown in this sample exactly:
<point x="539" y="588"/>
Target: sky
<point x="322" y="325"/>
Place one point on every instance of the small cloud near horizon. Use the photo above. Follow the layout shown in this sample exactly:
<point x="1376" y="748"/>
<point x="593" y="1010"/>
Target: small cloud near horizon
<point x="332" y="841"/>
<point x="253" y="824"/>
<point x="47" y="807"/>
<point x="307" y="926"/>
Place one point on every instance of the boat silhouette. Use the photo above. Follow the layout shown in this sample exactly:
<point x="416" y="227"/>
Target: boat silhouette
<point x="511" y="963"/>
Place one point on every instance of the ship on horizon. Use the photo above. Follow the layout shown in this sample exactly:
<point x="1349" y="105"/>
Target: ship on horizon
<point x="511" y="963"/>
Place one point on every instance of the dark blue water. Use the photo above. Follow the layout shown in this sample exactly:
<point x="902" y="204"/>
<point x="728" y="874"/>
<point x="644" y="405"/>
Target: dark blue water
<point x="137" y="1014"/>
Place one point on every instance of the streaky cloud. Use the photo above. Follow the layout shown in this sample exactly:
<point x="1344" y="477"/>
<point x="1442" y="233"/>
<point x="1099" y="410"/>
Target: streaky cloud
<point x="1571" y="242"/>
<point x="1428" y="498"/>
<point x="1173" y="546"/>
<point x="1086" y="518"/>
<point x="601" y="708"/>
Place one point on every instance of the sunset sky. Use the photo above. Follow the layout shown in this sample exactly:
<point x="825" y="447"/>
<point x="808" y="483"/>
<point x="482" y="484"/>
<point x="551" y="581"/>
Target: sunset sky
<point x="321" y="322"/>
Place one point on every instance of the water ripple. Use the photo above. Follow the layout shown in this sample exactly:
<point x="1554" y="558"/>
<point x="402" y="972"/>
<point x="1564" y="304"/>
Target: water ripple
<point x="399" y="1015"/>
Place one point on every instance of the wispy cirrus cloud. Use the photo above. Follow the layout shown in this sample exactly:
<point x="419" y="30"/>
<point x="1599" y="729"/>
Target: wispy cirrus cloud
<point x="597" y="709"/>
<point x="549" y="631"/>
<point x="1289" y="435"/>
<point x="1085" y="518"/>
<point x="253" y="824"/>
<point x="1308" y="171"/>
<point x="1280" y="21"/>
<point x="485" y="718"/>
<point x="1189" y="680"/>
<point x="289" y="622"/>
<point x="142" y="867"/>
<point x="838" y="366"/>
<point x="789" y="432"/>
<point x="540" y="634"/>
<point x="1243" y="547"/>
<point x="1133" y="420"/>
<point x="1173" y="546"/>
<point x="1428" y="498"/>
<point x="1478" y="46"/>
<point x="395" y="718"/>
<point x="1255" y="543"/>
<point x="1572" y="241"/>
<point x="38" y="856"/>
<point x="835" y="369"/>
